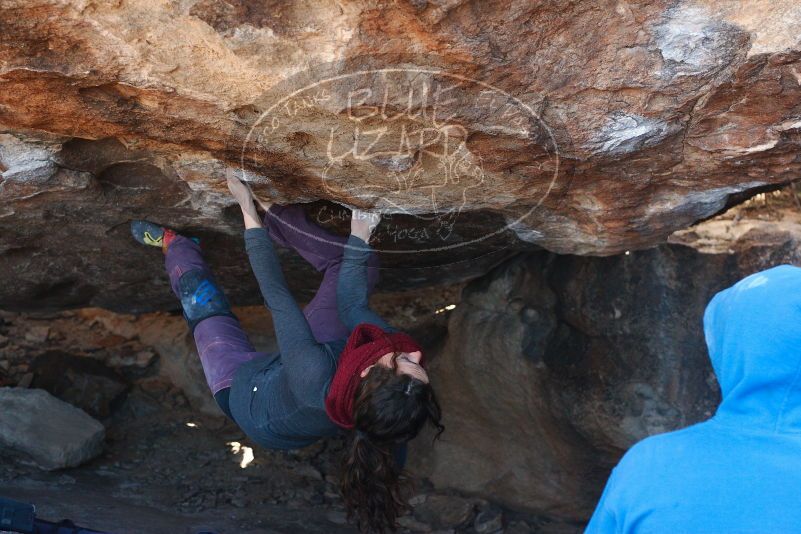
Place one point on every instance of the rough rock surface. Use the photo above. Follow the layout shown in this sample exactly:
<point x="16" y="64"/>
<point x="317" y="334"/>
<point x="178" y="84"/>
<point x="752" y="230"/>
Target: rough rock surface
<point x="85" y="356"/>
<point x="67" y="244"/>
<point x="555" y="365"/>
<point x="170" y="464"/>
<point x="582" y="127"/>
<point x="82" y="382"/>
<point x="51" y="433"/>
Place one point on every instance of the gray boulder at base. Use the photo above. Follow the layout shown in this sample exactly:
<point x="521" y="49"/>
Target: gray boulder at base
<point x="50" y="432"/>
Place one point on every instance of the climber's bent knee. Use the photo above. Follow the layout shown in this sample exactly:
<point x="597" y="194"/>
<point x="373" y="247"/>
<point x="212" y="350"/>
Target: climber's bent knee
<point x="201" y="297"/>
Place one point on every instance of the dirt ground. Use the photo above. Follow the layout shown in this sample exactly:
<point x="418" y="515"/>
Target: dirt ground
<point x="168" y="470"/>
<point x="172" y="463"/>
<point x="160" y="475"/>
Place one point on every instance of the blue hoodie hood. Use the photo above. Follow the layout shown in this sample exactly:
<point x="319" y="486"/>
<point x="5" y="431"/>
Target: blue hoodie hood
<point x="740" y="471"/>
<point x="753" y="332"/>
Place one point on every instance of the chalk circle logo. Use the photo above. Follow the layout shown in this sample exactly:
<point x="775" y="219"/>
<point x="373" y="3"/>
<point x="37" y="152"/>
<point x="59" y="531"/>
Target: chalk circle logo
<point x="422" y="143"/>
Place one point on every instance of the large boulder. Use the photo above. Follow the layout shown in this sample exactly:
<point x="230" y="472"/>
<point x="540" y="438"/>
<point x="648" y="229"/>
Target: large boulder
<point x="555" y="365"/>
<point x="51" y="433"/>
<point x="478" y="125"/>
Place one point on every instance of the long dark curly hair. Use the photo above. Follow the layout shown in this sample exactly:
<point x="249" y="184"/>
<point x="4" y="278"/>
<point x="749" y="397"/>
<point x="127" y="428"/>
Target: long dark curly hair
<point x="389" y="410"/>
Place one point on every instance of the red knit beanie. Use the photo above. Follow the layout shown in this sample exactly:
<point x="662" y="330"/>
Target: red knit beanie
<point x="366" y="344"/>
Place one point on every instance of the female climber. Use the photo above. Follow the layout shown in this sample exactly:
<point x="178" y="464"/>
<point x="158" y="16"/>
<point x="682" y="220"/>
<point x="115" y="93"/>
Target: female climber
<point x="340" y="366"/>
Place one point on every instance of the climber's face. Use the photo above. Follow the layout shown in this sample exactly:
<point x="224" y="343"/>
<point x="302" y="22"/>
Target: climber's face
<point x="406" y="363"/>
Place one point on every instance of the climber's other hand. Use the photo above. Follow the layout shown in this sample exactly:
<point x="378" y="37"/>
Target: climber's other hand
<point x="362" y="223"/>
<point x="240" y="191"/>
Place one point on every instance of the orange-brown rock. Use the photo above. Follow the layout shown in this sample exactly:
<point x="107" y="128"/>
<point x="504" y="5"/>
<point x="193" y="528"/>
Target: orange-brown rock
<point x="483" y="126"/>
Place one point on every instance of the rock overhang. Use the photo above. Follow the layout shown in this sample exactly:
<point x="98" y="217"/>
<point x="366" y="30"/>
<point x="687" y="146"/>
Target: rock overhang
<point x="634" y="126"/>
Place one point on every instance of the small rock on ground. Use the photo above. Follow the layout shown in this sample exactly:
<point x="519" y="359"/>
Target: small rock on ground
<point x="488" y="520"/>
<point x="445" y="511"/>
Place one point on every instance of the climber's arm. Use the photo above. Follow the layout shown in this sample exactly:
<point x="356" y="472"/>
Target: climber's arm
<point x="244" y="198"/>
<point x="352" y="288"/>
<point x="300" y="352"/>
<point x="306" y="363"/>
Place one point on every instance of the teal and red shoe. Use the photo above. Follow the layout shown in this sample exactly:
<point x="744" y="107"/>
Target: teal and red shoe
<point x="154" y="235"/>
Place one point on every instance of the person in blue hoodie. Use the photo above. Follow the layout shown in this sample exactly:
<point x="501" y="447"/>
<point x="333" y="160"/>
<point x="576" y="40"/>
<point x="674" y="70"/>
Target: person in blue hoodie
<point x="739" y="472"/>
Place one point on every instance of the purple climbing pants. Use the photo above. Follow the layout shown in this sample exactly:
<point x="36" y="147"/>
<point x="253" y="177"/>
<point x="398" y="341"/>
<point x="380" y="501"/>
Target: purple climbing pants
<point x="221" y="342"/>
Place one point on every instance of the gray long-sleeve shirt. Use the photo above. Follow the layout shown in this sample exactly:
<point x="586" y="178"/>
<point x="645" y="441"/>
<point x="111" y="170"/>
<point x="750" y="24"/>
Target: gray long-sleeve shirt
<point x="279" y="400"/>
